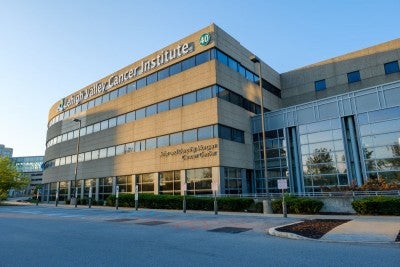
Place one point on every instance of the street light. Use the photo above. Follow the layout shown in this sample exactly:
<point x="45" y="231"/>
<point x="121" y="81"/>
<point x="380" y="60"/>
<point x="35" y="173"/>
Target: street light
<point x="268" y="208"/>
<point x="76" y="163"/>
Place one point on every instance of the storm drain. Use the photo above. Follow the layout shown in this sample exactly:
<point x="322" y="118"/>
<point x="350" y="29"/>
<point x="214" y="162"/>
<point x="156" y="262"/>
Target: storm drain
<point x="121" y="220"/>
<point x="230" y="230"/>
<point x="152" y="223"/>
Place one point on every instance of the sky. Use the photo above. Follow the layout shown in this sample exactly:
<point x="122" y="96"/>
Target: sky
<point x="52" y="48"/>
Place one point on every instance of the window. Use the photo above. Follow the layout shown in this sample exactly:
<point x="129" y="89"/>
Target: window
<point x="175" y="102"/>
<point x="174" y="69"/>
<point x="151" y="143"/>
<point x="121" y="119"/>
<point x="353" y="77"/>
<point x="140" y="113"/>
<point x="391" y="67"/>
<point x="320" y="85"/>
<point x="151" y="110"/>
<point x="141" y="83"/>
<point x="163" y="106"/>
<point x="162" y="74"/>
<point x="152" y="78"/>
<point x="189" y="136"/>
<point x="189" y="98"/>
<point x="205" y="133"/>
<point x="203" y="57"/>
<point x="113" y="95"/>
<point x="130" y="116"/>
<point x="188" y="63"/>
<point x="163" y="141"/>
<point x="176" y="139"/>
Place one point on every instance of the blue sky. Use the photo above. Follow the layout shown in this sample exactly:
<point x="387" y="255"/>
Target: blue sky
<point x="51" y="48"/>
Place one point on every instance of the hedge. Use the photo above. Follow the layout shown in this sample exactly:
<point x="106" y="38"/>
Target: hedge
<point x="379" y="205"/>
<point x="151" y="201"/>
<point x="297" y="205"/>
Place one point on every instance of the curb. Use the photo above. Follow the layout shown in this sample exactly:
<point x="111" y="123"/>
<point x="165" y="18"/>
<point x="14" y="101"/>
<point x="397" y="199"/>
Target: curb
<point x="272" y="231"/>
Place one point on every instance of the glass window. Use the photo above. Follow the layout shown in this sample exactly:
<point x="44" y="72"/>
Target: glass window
<point x="174" y="69"/>
<point x="189" y="136"/>
<point x="242" y="70"/>
<point x="202" y="57"/>
<point x="68" y="160"/>
<point x="163" y="141"/>
<point x="72" y="112"/>
<point x="162" y="74"/>
<point x="237" y="136"/>
<point x="104" y="125"/>
<point x="140" y="83"/>
<point x="163" y="106"/>
<point x="188" y="63"/>
<point x="205" y="133"/>
<point x="249" y="75"/>
<point x="103" y="153"/>
<point x="152" y="78"/>
<point x="140" y="145"/>
<point x="70" y="135"/>
<point x="391" y="67"/>
<point x="320" y="85"/>
<point x="130" y="116"/>
<point x="111" y="151"/>
<point x="76" y="132"/>
<point x="130" y="147"/>
<point x="96" y="127"/>
<point x="204" y="94"/>
<point x="97" y="101"/>
<point x="83" y="131"/>
<point x="222" y="57"/>
<point x="140" y="113"/>
<point x="120" y="149"/>
<point x="105" y="98"/>
<point x="78" y="109"/>
<point x="88" y="156"/>
<point x="189" y="98"/>
<point x="175" y="102"/>
<point x="131" y="87"/>
<point x="151" y="143"/>
<point x="224" y="132"/>
<point x="112" y="122"/>
<point x="89" y="129"/>
<point x="90" y="104"/>
<point x="84" y="106"/>
<point x="95" y="154"/>
<point x="151" y="110"/>
<point x="353" y="77"/>
<point x="176" y="138"/>
<point x="122" y="91"/>
<point x="232" y="64"/>
<point x="113" y="94"/>
<point x="121" y="119"/>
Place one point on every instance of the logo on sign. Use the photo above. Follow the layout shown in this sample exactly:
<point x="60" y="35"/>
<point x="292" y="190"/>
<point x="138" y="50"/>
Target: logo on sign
<point x="205" y="39"/>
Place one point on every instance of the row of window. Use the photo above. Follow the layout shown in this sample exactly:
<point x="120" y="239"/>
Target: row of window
<point x="354" y="76"/>
<point x="165" y="73"/>
<point x="176" y="102"/>
<point x="198" y="134"/>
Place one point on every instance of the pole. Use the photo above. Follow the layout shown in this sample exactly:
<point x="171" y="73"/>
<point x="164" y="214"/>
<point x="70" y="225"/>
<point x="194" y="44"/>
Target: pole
<point x="90" y="196"/>
<point x="269" y="208"/>
<point x="215" y="203"/>
<point x="136" y="197"/>
<point x="76" y="163"/>
<point x="284" y="209"/>
<point x="117" y="196"/>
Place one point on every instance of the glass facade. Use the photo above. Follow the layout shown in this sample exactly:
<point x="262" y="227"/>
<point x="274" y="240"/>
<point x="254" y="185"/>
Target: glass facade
<point x="332" y="143"/>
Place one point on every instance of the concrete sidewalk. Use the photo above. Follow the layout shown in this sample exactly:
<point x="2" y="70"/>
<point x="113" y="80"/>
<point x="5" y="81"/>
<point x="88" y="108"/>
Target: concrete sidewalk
<point x="365" y="229"/>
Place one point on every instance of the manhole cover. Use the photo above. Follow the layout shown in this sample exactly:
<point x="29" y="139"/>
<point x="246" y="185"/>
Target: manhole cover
<point x="151" y="223"/>
<point x="121" y="220"/>
<point x="231" y="230"/>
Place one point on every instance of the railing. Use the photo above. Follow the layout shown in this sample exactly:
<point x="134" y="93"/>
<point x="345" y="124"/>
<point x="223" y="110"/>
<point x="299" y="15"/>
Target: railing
<point x="319" y="194"/>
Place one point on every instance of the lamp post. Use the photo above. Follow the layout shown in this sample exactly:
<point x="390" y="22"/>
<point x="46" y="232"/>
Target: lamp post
<point x="76" y="163"/>
<point x="267" y="209"/>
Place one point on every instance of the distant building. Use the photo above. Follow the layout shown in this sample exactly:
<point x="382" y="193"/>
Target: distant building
<point x="31" y="167"/>
<point x="187" y="117"/>
<point x="6" y="151"/>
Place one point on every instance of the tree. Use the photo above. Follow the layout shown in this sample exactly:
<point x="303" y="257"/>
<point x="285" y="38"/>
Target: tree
<point x="10" y="177"/>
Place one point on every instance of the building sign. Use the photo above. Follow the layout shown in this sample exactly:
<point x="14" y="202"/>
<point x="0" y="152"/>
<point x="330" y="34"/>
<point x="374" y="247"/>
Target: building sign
<point x="193" y="152"/>
<point x="205" y="39"/>
<point x="113" y="80"/>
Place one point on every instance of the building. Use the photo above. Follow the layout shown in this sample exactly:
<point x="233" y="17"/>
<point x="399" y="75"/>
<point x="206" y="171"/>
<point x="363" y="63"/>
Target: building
<point x="5" y="151"/>
<point x="30" y="167"/>
<point x="188" y="117"/>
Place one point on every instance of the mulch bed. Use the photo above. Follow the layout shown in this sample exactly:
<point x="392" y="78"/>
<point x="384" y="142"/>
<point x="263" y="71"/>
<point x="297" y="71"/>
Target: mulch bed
<point x="312" y="228"/>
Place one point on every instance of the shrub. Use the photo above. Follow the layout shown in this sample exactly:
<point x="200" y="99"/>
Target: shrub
<point x="297" y="205"/>
<point x="151" y="201"/>
<point x="380" y="205"/>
